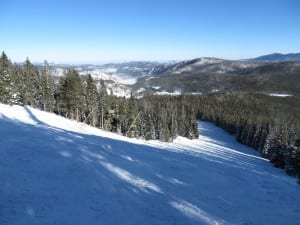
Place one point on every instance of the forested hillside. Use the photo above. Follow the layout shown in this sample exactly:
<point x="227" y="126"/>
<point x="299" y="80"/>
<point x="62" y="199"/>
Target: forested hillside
<point x="207" y="75"/>
<point x="78" y="98"/>
<point x="271" y="125"/>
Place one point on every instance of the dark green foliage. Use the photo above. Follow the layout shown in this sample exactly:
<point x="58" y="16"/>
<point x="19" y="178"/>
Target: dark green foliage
<point x="152" y="117"/>
<point x="149" y="127"/>
<point x="6" y="82"/>
<point x="31" y="89"/>
<point x="271" y="125"/>
<point x="92" y="98"/>
<point x="296" y="159"/>
<point x="16" y="97"/>
<point x="71" y="102"/>
<point x="48" y="89"/>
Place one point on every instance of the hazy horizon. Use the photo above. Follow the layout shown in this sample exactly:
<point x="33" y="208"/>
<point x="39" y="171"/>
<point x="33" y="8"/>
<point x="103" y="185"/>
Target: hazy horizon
<point x="103" y="62"/>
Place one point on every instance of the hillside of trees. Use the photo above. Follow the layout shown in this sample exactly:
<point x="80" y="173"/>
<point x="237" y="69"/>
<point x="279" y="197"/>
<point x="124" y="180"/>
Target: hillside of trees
<point x="268" y="124"/>
<point x="271" y="125"/>
<point x="197" y="76"/>
<point x="79" y="98"/>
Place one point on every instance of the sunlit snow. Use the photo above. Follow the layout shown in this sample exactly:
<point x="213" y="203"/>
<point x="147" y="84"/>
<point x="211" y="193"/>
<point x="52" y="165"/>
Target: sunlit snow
<point x="57" y="171"/>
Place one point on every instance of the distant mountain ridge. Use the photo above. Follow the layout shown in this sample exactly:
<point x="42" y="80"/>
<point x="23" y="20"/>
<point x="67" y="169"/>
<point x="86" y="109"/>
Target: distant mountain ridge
<point x="205" y="75"/>
<point x="277" y="57"/>
<point x="274" y="73"/>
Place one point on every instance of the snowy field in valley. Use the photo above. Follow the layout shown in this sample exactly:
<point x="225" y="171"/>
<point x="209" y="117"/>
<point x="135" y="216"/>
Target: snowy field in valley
<point x="280" y="95"/>
<point x="54" y="171"/>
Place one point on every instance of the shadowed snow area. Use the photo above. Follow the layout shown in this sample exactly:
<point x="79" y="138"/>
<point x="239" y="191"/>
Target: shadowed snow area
<point x="54" y="171"/>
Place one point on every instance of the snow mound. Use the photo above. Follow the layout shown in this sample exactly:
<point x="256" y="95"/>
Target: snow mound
<point x="57" y="171"/>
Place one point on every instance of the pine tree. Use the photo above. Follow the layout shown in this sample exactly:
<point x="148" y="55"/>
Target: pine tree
<point x="32" y="92"/>
<point x="276" y="150"/>
<point x="17" y="85"/>
<point x="149" y="131"/>
<point x="92" y="97"/>
<point x="71" y="96"/>
<point x="102" y="103"/>
<point x="48" y="89"/>
<point x="132" y="117"/>
<point x="6" y="84"/>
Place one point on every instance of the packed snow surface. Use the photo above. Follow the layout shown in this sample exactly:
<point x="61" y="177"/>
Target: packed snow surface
<point x="57" y="171"/>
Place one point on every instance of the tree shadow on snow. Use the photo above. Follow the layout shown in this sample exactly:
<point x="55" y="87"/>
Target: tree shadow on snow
<point x="53" y="176"/>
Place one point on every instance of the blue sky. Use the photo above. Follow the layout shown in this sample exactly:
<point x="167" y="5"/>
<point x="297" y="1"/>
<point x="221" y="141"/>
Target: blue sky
<point x="93" y="31"/>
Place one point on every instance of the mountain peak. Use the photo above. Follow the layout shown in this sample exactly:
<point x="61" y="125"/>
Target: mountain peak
<point x="277" y="57"/>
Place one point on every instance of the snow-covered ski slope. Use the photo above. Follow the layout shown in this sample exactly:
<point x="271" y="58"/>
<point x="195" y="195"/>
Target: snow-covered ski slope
<point x="58" y="172"/>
